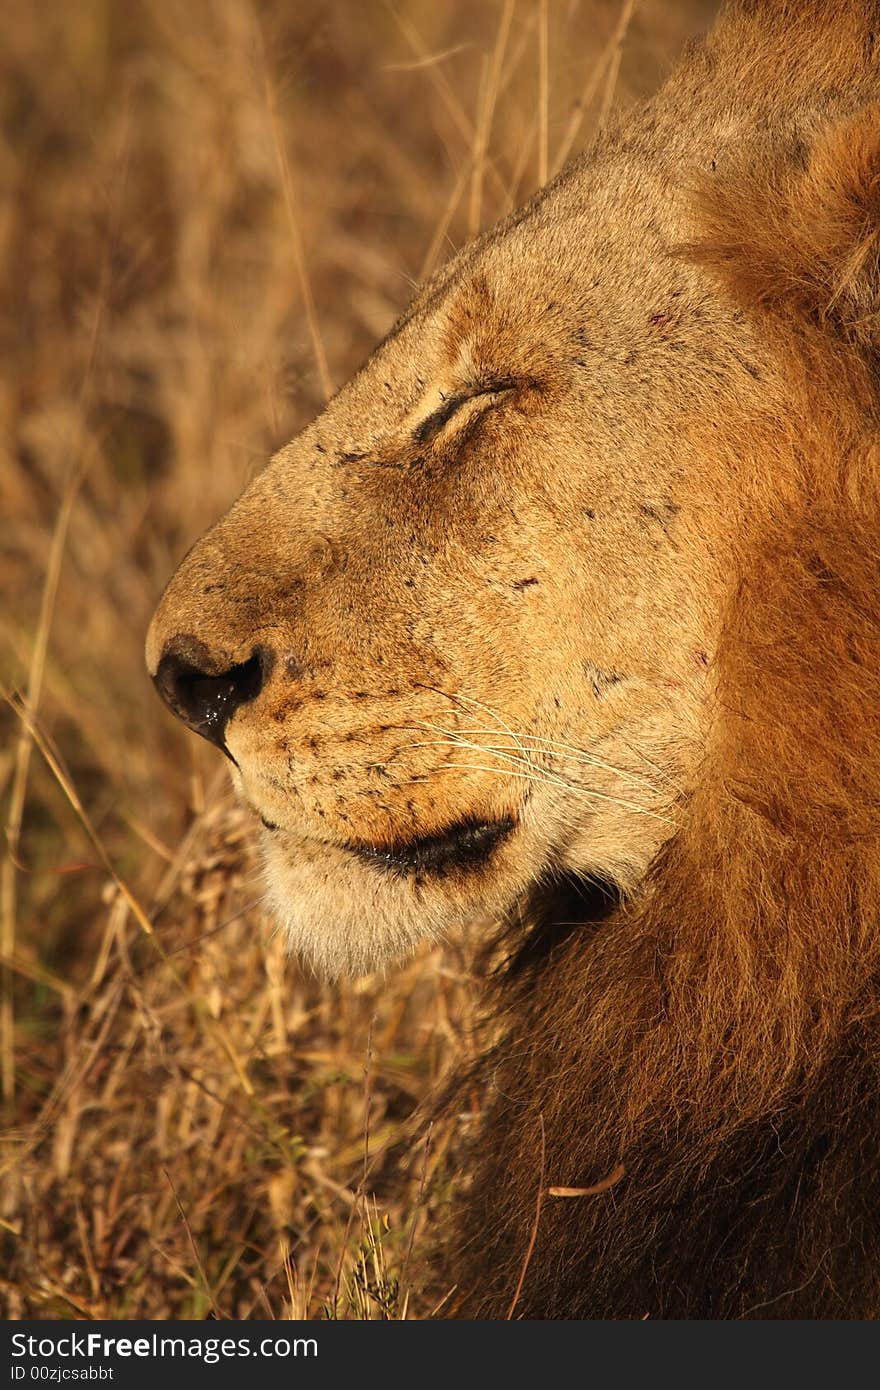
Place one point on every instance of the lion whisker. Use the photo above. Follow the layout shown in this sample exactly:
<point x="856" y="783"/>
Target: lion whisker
<point x="664" y="775"/>
<point x="523" y="761"/>
<point x="457" y="738"/>
<point x="551" y="746"/>
<point x="538" y="775"/>
<point x="469" y="699"/>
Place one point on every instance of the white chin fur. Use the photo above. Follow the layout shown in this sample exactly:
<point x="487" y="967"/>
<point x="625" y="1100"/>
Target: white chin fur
<point x="346" y="918"/>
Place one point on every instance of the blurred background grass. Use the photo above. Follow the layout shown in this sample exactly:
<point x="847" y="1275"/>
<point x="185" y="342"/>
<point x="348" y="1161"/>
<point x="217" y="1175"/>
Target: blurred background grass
<point x="211" y="211"/>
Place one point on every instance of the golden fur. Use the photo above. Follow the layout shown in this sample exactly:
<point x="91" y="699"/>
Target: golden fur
<point x="622" y="604"/>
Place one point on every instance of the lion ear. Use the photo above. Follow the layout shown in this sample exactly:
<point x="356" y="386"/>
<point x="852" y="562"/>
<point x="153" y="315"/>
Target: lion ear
<point x="802" y="234"/>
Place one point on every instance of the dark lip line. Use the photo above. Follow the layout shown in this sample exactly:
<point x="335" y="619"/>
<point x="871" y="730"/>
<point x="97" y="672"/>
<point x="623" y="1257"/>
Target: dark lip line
<point x="467" y="845"/>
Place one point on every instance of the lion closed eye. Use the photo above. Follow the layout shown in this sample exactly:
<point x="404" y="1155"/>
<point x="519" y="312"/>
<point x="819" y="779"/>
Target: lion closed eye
<point x="575" y="583"/>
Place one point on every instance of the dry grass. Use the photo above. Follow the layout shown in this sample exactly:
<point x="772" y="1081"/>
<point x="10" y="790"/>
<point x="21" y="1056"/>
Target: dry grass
<point x="217" y="208"/>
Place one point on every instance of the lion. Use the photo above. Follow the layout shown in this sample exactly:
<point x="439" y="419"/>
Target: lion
<point x="564" y="612"/>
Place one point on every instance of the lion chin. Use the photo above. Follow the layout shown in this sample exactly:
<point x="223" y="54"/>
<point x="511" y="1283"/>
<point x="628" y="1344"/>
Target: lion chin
<point x="576" y="581"/>
<point x="340" y="919"/>
<point x="354" y="908"/>
<point x="348" y="911"/>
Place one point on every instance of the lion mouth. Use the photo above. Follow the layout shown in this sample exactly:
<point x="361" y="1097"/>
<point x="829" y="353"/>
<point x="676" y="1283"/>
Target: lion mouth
<point x="465" y="846"/>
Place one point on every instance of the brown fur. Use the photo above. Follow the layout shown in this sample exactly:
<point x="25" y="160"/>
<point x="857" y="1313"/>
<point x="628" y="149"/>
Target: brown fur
<point x="629" y="603"/>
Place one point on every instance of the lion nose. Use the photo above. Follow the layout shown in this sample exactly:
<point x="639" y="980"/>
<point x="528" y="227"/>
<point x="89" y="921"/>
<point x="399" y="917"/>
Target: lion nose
<point x="204" y="699"/>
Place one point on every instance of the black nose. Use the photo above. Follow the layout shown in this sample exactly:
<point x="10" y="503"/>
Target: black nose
<point x="204" y="701"/>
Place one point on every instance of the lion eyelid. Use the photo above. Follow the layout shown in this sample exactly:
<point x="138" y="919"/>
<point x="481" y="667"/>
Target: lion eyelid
<point x="433" y="423"/>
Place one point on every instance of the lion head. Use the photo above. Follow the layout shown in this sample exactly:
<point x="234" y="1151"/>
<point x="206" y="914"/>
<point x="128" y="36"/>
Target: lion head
<point x="459" y="636"/>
